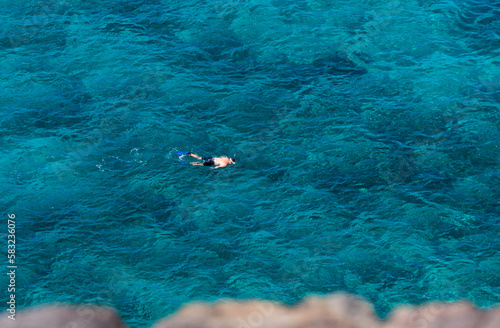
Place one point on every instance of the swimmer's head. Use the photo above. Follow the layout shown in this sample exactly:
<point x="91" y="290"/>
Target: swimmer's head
<point x="232" y="160"/>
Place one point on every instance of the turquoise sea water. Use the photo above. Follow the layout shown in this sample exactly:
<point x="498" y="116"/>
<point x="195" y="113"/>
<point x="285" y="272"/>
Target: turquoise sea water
<point x="366" y="135"/>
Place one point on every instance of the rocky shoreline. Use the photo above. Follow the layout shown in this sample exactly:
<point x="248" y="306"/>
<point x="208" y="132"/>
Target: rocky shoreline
<point x="337" y="310"/>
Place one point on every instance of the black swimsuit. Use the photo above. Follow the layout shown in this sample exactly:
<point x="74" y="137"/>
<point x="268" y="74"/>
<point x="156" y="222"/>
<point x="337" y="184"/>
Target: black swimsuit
<point x="208" y="161"/>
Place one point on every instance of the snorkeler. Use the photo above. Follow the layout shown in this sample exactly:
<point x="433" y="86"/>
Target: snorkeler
<point x="209" y="161"/>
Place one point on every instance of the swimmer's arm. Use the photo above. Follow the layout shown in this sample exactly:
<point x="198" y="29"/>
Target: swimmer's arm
<point x="218" y="166"/>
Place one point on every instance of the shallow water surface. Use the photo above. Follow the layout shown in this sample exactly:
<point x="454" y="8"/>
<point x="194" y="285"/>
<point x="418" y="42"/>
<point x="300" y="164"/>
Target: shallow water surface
<point x="366" y="135"/>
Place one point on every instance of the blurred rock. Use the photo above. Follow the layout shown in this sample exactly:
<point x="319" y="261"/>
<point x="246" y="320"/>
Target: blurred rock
<point x="64" y="317"/>
<point x="444" y="315"/>
<point x="336" y="310"/>
<point x="331" y="311"/>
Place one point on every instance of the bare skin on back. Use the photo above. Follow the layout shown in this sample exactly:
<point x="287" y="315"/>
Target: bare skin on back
<point x="219" y="162"/>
